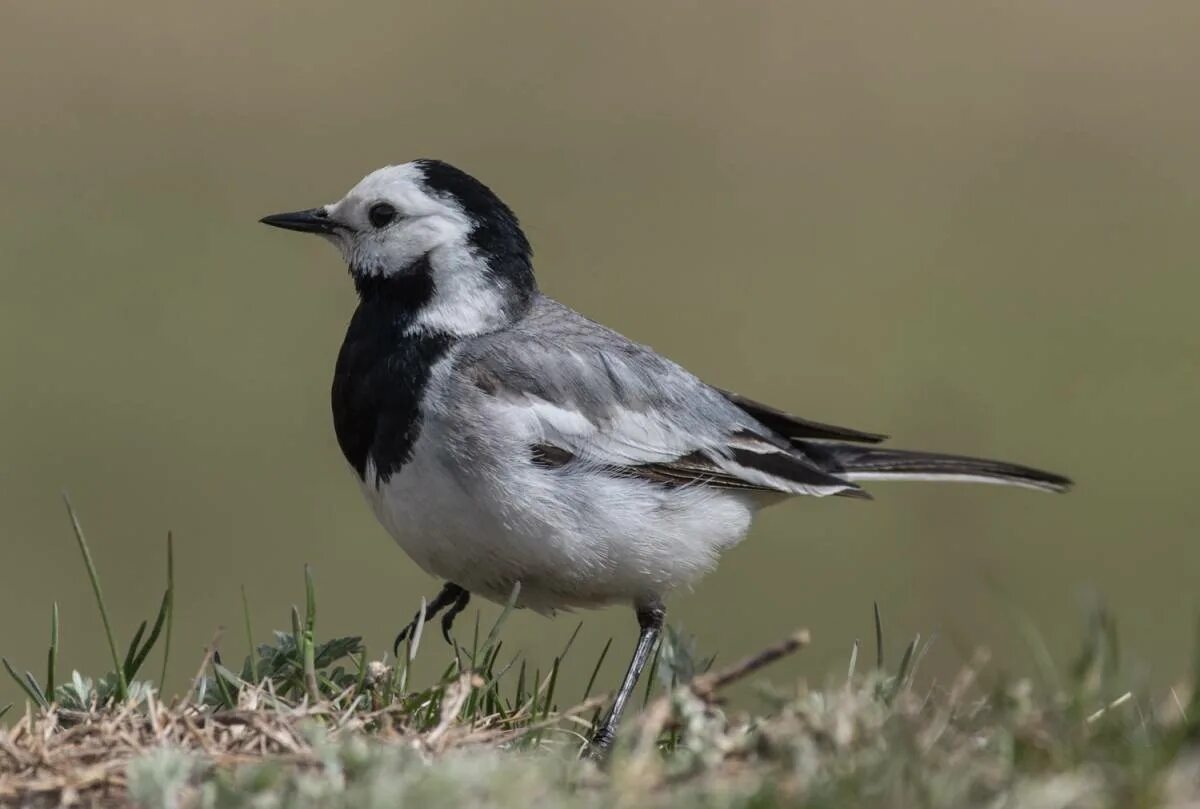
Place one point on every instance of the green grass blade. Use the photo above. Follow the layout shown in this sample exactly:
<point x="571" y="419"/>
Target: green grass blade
<point x="504" y="615"/>
<point x="537" y="692"/>
<point x="94" y="577"/>
<point x="550" y="688"/>
<point x="902" y="674"/>
<point x="653" y="674"/>
<point x="489" y="664"/>
<point x="508" y="608"/>
<point x="906" y="660"/>
<point x="361" y="662"/>
<point x="52" y="654"/>
<point x="474" y="643"/>
<point x="1039" y="649"/>
<point x="249" y="637"/>
<point x="922" y="651"/>
<point x="520" y="698"/>
<point x="155" y="631"/>
<point x="5" y="710"/>
<point x="132" y="652"/>
<point x="162" y="677"/>
<point x="587" y="692"/>
<point x="570" y="640"/>
<point x="494" y="703"/>
<point x="27" y="684"/>
<point x="310" y="623"/>
<point x="231" y="678"/>
<point x="37" y="689"/>
<point x="227" y="698"/>
<point x="878" y="637"/>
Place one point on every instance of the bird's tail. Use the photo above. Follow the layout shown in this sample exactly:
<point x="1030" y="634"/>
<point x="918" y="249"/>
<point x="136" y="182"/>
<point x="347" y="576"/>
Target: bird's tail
<point x="858" y="463"/>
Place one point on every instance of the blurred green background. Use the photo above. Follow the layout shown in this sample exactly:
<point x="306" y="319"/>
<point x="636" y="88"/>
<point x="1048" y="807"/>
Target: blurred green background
<point x="970" y="225"/>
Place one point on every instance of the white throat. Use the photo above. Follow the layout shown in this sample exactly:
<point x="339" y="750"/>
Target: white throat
<point x="466" y="300"/>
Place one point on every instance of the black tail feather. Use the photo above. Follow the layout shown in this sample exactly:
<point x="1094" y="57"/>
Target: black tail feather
<point x="856" y="462"/>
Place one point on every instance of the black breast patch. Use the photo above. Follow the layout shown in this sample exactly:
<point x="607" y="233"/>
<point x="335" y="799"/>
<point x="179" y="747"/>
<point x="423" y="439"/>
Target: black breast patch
<point x="380" y="379"/>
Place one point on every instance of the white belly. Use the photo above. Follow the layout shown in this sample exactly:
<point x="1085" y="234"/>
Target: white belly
<point x="571" y="537"/>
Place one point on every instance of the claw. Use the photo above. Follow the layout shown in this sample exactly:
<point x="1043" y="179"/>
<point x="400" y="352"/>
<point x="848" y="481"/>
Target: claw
<point x="400" y="638"/>
<point x="460" y="604"/>
<point x="601" y="743"/>
<point x="451" y="595"/>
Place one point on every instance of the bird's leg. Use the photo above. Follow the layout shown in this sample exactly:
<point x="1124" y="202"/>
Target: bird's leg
<point x="451" y="594"/>
<point x="650" y="619"/>
<point x="460" y="604"/>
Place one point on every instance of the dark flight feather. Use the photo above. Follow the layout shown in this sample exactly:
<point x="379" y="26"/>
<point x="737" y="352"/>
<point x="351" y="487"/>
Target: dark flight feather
<point x="795" y="428"/>
<point x="698" y="468"/>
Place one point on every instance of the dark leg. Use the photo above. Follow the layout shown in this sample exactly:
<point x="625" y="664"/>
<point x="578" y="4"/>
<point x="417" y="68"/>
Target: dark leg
<point x="451" y="594"/>
<point x="650" y="619"/>
<point x="458" y="606"/>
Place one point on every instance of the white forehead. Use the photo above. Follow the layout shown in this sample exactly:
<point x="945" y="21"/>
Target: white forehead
<point x="401" y="186"/>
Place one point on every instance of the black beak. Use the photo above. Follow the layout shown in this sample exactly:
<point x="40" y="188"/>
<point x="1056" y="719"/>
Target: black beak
<point x="314" y="220"/>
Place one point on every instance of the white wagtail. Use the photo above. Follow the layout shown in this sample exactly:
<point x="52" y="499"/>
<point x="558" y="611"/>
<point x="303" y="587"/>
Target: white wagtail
<point x="502" y="438"/>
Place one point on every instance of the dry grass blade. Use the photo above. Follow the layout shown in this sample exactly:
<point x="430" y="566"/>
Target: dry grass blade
<point x="707" y="685"/>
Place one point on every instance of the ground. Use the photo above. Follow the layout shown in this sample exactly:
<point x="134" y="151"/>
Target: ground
<point x="304" y="723"/>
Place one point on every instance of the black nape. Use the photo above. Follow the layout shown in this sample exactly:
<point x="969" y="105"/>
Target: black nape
<point x="496" y="234"/>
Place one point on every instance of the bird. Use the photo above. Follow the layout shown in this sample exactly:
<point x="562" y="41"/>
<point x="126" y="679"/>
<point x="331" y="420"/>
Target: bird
<point x="509" y="444"/>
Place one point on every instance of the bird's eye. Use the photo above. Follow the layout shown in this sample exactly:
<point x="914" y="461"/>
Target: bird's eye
<point x="381" y="214"/>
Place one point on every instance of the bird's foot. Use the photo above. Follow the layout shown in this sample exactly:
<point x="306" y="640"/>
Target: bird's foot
<point x="600" y="744"/>
<point x="451" y="596"/>
<point x="460" y="604"/>
<point x="404" y="633"/>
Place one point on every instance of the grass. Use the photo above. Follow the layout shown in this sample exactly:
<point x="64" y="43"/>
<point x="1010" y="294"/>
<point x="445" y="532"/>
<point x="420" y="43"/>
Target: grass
<point x="308" y="722"/>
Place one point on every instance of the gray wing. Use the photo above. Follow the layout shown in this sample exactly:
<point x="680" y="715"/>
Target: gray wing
<point x="574" y="392"/>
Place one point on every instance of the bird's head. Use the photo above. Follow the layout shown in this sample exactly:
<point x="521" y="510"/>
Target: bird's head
<point x="432" y="240"/>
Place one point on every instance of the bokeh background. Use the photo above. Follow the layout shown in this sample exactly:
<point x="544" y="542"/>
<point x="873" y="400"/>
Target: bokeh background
<point x="970" y="225"/>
